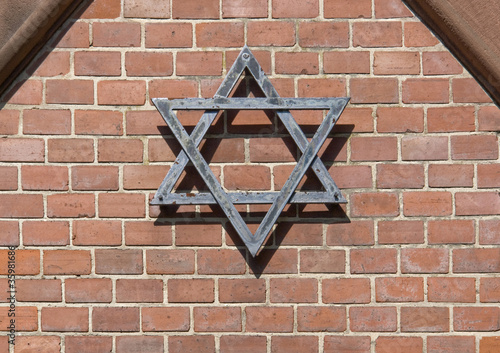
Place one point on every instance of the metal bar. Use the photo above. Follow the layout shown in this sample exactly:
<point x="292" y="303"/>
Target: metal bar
<point x="249" y="103"/>
<point x="204" y="198"/>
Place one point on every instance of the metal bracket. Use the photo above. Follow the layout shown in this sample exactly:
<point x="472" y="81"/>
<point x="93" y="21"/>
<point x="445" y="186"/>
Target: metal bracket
<point x="190" y="152"/>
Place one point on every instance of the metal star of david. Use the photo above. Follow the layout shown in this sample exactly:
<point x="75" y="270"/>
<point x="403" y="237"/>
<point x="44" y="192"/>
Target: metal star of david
<point x="227" y="200"/>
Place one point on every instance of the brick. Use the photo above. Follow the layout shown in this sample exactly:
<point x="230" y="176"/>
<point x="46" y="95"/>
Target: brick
<point x="451" y="289"/>
<point x="399" y="344"/>
<point x="22" y="150"/>
<point x="77" y="36"/>
<point x="397" y="119"/>
<point x="56" y="63"/>
<point x="165" y="319"/>
<point x="38" y="290"/>
<point x="189" y="235"/>
<point x="399" y="289"/>
<point x="66" y="262"/>
<point x="363" y="90"/>
<point x="451" y="232"/>
<point x="70" y="150"/>
<point x="97" y="233"/>
<point x="269" y="319"/>
<point x="148" y="64"/>
<point x="425" y="319"/>
<point x="242" y="344"/>
<point x="70" y="205"/>
<point x="374" y="204"/>
<point x="53" y="178"/>
<point x="88" y="290"/>
<point x="421" y="148"/>
<point x="416" y="34"/>
<point x="123" y="150"/>
<point x="69" y="92"/>
<point x="396" y="63"/>
<point x="170" y="261"/>
<point x="40" y="233"/>
<point x="391" y="9"/>
<point x="353" y="176"/>
<point x="98" y="122"/>
<point x="118" y="261"/>
<point x="275" y="261"/>
<point x="120" y="92"/>
<point x="373" y="261"/>
<point x="479" y="203"/>
<point x="103" y="9"/>
<point x="488" y="175"/>
<point x="248" y="290"/>
<point x="121" y="205"/>
<point x="194" y="9"/>
<point x="467" y="90"/>
<point x="357" y="344"/>
<point x="424" y="260"/>
<point x="489" y="232"/>
<point x="488" y="344"/>
<point x="26" y="319"/>
<point x="474" y="147"/>
<point x="294" y="344"/>
<point x="217" y="319"/>
<point x="97" y="63"/>
<point x="430" y="203"/>
<point x="428" y="90"/>
<point x="489" y="290"/>
<point x="169" y="35"/>
<point x="209" y="87"/>
<point x="440" y="63"/>
<point x="247" y="177"/>
<point x="94" y="178"/>
<point x="26" y="92"/>
<point x="220" y="261"/>
<point x="350" y="62"/>
<point x="324" y="34"/>
<point x="42" y="344"/>
<point x="476" y="319"/>
<point x="303" y="63"/>
<point x="65" y="319"/>
<point x="450" y="175"/>
<point x="322" y="261"/>
<point x="116" y="34"/>
<point x="373" y="319"/>
<point x="173" y="89"/>
<point x="143" y="177"/>
<point x="322" y="87"/>
<point x="201" y="344"/>
<point x="146" y="9"/>
<point x="374" y="148"/>
<point x="303" y="290"/>
<point x="224" y="34"/>
<point x="131" y="344"/>
<point x="190" y="290"/>
<point x="46" y="122"/>
<point x="347" y="9"/>
<point x="436" y="344"/>
<point x="88" y="344"/>
<point x="9" y="233"/>
<point x="21" y="206"/>
<point x="240" y="8"/>
<point x="271" y="33"/>
<point x="401" y="176"/>
<point x="199" y="63"/>
<point x="295" y="9"/>
<point x="349" y="234"/>
<point x="299" y="234"/>
<point x="321" y="319"/>
<point x="476" y="260"/>
<point x="139" y="291"/>
<point x="9" y="122"/>
<point x="488" y="118"/>
<point x="120" y="319"/>
<point x="377" y="34"/>
<point x="148" y="233"/>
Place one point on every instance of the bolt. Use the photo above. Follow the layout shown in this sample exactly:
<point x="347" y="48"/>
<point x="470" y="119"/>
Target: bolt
<point x="246" y="56"/>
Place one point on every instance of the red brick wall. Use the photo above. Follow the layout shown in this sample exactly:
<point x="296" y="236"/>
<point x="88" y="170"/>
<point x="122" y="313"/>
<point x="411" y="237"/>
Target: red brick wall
<point x="410" y="264"/>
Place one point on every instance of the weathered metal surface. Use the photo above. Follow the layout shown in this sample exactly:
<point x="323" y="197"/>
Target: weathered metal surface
<point x="164" y="195"/>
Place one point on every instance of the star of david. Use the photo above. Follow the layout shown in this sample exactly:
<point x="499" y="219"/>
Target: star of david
<point x="227" y="200"/>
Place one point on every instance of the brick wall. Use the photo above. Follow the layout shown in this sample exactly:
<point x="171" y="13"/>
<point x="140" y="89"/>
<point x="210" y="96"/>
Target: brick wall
<point x="410" y="264"/>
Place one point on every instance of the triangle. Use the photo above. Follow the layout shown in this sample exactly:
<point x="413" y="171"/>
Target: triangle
<point x="278" y="200"/>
